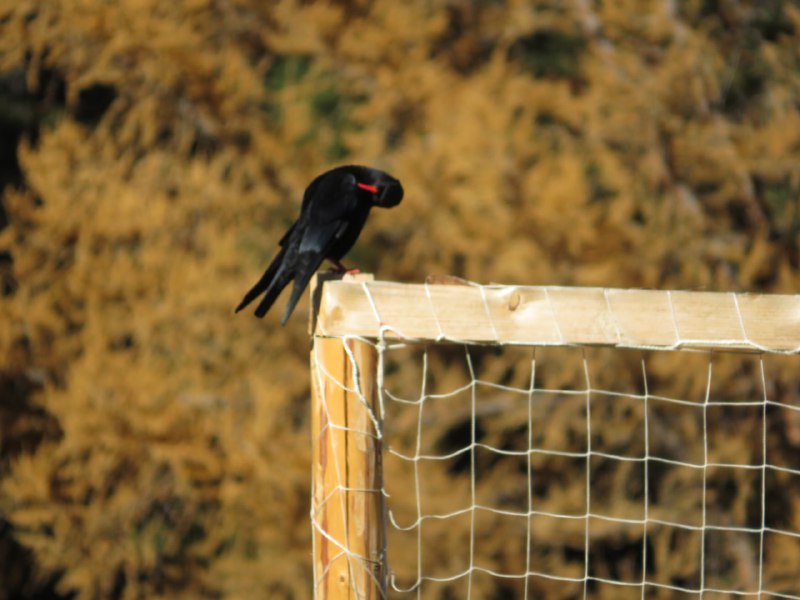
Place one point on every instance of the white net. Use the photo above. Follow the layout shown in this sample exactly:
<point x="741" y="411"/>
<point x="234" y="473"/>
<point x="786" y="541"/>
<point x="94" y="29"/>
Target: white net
<point x="548" y="471"/>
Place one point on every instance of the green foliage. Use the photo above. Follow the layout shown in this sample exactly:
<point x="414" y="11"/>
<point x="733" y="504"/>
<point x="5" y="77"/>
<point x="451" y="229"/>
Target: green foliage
<point x="549" y="54"/>
<point x="155" y="446"/>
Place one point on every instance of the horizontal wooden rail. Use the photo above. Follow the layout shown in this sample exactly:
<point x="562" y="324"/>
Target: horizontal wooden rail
<point x="548" y="315"/>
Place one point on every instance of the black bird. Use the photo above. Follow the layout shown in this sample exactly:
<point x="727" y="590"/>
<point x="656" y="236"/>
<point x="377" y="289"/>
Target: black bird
<point x="335" y="207"/>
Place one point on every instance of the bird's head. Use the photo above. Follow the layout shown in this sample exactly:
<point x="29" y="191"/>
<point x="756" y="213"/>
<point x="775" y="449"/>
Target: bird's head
<point x="386" y="192"/>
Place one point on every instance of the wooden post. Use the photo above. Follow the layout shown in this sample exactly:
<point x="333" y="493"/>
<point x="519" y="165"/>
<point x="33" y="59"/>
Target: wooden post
<point x="347" y="506"/>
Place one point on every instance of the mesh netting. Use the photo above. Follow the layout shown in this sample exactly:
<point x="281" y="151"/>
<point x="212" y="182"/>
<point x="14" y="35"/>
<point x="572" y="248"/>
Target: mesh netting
<point x="573" y="472"/>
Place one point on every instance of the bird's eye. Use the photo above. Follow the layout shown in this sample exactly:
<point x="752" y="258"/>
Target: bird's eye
<point x="369" y="188"/>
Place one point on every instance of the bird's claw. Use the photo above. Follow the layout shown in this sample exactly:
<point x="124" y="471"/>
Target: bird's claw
<point x="337" y="266"/>
<point x="340" y="268"/>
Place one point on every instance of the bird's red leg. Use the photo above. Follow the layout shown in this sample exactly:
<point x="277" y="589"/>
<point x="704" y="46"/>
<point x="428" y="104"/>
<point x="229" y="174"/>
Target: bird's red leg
<point x="340" y="268"/>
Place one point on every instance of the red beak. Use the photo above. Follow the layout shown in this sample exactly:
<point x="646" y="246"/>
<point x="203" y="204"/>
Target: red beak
<point x="369" y="188"/>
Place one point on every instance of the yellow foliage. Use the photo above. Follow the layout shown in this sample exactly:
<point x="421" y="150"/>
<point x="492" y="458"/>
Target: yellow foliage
<point x="618" y="143"/>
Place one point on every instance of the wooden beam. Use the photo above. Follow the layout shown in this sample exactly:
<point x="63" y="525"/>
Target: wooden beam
<point x="561" y="316"/>
<point x="347" y="506"/>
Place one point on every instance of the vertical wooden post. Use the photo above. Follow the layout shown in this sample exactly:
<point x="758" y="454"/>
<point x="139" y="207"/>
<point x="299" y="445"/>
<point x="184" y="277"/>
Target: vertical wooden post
<point x="347" y="506"/>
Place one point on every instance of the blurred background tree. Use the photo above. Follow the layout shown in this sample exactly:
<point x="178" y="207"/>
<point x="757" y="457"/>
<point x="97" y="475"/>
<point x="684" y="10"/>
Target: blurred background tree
<point x="151" y="444"/>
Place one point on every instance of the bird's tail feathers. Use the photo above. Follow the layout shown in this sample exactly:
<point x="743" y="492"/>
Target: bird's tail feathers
<point x="302" y="277"/>
<point x="265" y="282"/>
<point x="281" y="280"/>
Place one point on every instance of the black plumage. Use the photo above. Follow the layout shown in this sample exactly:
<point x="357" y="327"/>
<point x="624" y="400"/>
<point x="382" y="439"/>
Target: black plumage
<point x="335" y="207"/>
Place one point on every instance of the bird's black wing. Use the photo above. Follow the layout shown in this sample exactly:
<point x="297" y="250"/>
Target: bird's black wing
<point x="281" y="270"/>
<point x="329" y="211"/>
<point x="287" y="235"/>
